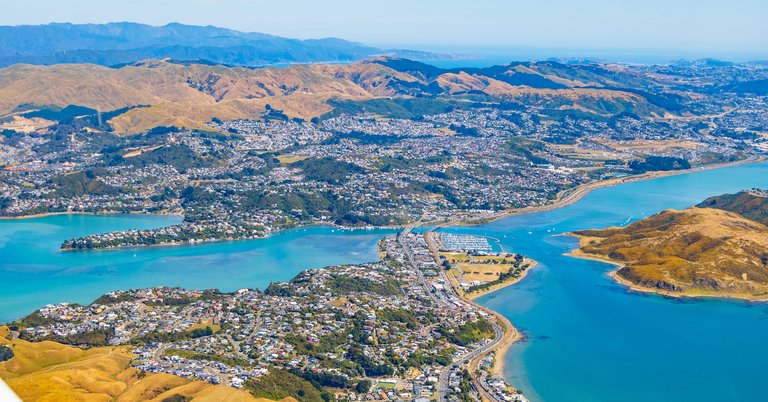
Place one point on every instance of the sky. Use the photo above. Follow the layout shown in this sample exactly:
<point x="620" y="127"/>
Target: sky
<point x="716" y="28"/>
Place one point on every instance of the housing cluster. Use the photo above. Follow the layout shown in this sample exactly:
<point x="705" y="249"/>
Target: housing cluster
<point x="390" y="330"/>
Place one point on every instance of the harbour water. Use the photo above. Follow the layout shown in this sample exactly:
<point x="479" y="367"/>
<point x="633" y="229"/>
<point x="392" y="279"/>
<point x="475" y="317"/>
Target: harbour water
<point x="588" y="338"/>
<point x="34" y="272"/>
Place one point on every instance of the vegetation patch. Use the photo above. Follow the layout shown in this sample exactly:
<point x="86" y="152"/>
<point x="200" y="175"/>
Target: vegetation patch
<point x="5" y="353"/>
<point x="659" y="163"/>
<point x="279" y="384"/>
<point x="469" y="333"/>
<point x="744" y="203"/>
<point x="327" y="170"/>
<point x="353" y="284"/>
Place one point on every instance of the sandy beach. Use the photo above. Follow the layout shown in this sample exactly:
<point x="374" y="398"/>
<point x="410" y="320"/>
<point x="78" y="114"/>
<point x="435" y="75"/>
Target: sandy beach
<point x="511" y="335"/>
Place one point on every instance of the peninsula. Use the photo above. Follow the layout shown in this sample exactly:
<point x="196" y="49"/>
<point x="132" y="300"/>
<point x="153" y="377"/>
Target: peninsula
<point x="396" y="329"/>
<point x="718" y="248"/>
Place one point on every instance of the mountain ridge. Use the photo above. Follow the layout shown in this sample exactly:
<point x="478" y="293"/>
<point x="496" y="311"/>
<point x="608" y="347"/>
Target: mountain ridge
<point x="190" y="95"/>
<point x="126" y="42"/>
<point x="751" y="204"/>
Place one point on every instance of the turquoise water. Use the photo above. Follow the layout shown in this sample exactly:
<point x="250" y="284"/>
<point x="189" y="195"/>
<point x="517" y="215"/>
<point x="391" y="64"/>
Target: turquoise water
<point x="34" y="272"/>
<point x="590" y="339"/>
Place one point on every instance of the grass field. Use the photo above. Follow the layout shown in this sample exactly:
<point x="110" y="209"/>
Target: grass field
<point x="288" y="159"/>
<point x="622" y="150"/>
<point x="479" y="268"/>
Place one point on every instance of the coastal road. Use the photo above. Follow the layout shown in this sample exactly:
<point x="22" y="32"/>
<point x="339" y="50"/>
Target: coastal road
<point x="472" y="359"/>
<point x="466" y="360"/>
<point x="442" y="386"/>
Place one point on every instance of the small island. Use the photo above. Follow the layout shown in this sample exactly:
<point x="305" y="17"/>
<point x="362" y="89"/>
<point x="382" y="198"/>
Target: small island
<point x="718" y="248"/>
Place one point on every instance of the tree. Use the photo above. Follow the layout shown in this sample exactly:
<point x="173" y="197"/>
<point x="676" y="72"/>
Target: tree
<point x="5" y="353"/>
<point x="363" y="386"/>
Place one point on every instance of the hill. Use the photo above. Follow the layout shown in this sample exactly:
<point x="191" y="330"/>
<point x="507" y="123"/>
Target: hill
<point x="49" y="371"/>
<point x="125" y="42"/>
<point x="694" y="252"/>
<point x="147" y="94"/>
<point x="757" y="87"/>
<point x="749" y="204"/>
<point x="188" y="95"/>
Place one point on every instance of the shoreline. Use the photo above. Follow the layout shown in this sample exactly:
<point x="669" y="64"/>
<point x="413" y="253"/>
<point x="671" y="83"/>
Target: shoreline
<point x="510" y="334"/>
<point x="213" y="241"/>
<point x="572" y="195"/>
<point x="563" y="199"/>
<point x="104" y="213"/>
<point x="577" y="253"/>
<point x="480" y="293"/>
<point x="566" y="197"/>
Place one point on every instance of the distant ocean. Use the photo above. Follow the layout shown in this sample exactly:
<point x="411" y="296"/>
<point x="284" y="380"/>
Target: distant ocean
<point x="491" y="57"/>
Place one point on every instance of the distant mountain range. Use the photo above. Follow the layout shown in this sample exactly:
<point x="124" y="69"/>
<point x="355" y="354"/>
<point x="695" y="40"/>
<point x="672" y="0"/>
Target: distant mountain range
<point x="125" y="42"/>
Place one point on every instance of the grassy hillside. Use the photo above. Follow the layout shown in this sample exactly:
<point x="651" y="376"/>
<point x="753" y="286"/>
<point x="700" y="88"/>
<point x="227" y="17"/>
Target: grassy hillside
<point x="189" y="95"/>
<point x="279" y="384"/>
<point x="698" y="251"/>
<point x="49" y="371"/>
<point x="744" y="203"/>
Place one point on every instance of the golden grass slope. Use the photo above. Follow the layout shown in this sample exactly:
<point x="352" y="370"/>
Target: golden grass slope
<point x="697" y="252"/>
<point x="154" y="82"/>
<point x="191" y="95"/>
<point x="49" y="371"/>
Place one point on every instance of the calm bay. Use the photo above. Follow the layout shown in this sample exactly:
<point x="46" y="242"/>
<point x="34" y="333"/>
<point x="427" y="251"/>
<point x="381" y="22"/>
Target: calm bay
<point x="590" y="339"/>
<point x="34" y="272"/>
